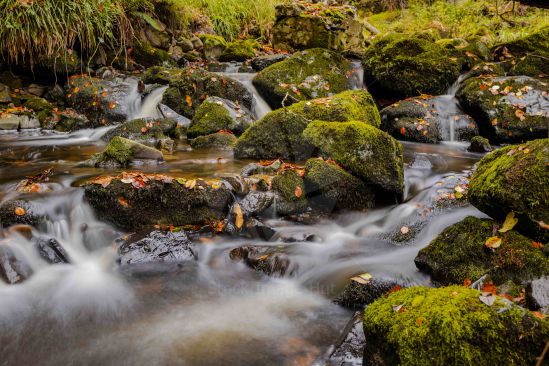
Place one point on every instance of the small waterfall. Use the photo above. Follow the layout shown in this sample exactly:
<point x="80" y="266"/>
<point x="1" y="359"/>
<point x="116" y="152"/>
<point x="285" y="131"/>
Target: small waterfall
<point x="448" y="111"/>
<point x="357" y="75"/>
<point x="147" y="107"/>
<point x="260" y="107"/>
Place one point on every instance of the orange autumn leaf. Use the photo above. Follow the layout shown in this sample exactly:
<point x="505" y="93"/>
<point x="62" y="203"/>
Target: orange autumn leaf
<point x="489" y="287"/>
<point x="123" y="202"/>
<point x="19" y="211"/>
<point x="112" y="105"/>
<point x="403" y="131"/>
<point x="298" y="192"/>
<point x="189" y="100"/>
<point x="538" y="314"/>
<point x="467" y="282"/>
<point x="239" y="220"/>
<point x="537" y="245"/>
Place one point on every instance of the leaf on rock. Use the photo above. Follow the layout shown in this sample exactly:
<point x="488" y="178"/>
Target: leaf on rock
<point x="493" y="242"/>
<point x="190" y="184"/>
<point x="239" y="220"/>
<point x="510" y="222"/>
<point x="363" y="279"/>
<point x="298" y="192"/>
<point x="20" y="211"/>
<point x="488" y="298"/>
<point x="189" y="100"/>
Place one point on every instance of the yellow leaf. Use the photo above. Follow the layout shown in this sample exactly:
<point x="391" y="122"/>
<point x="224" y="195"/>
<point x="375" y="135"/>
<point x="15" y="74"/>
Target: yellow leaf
<point x="298" y="192"/>
<point x="19" y="211"/>
<point x="510" y="222"/>
<point x="190" y="184"/>
<point x="239" y="221"/>
<point x="189" y="100"/>
<point x="363" y="279"/>
<point x="493" y="242"/>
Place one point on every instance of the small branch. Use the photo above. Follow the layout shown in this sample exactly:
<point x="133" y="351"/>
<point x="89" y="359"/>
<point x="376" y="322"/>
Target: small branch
<point x="545" y="350"/>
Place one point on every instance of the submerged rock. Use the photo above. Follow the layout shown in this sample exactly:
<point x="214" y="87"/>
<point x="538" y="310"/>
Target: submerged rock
<point x="271" y="260"/>
<point x="460" y="253"/>
<point x="280" y="133"/>
<point x="219" y="140"/>
<point x="367" y="152"/>
<point x="439" y="326"/>
<point x="216" y="114"/>
<point x="310" y="74"/>
<point x="188" y="87"/>
<point x="480" y="144"/>
<point x="121" y="152"/>
<point x="507" y="109"/>
<point x="51" y="251"/>
<point x="147" y="200"/>
<point x="158" y="246"/>
<point x="13" y="269"/>
<point x="349" y="348"/>
<point x="400" y="65"/>
<point x="515" y="178"/>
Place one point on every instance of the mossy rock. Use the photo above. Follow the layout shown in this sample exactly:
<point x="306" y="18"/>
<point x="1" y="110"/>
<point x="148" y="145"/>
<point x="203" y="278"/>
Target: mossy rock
<point x="219" y="140"/>
<point x="364" y="150"/>
<point x="398" y="65"/>
<point x="533" y="44"/>
<point x="121" y="152"/>
<point x="240" y="50"/>
<point x="310" y="74"/>
<point x="280" y="133"/>
<point x="450" y="326"/>
<point x="290" y="189"/>
<point x="531" y="65"/>
<point x="151" y="132"/>
<point x="160" y="200"/>
<point x="68" y="120"/>
<point x="480" y="144"/>
<point x="189" y="87"/>
<point x="515" y="178"/>
<point x="214" y="45"/>
<point x="333" y="189"/>
<point x="146" y="55"/>
<point x="427" y="120"/>
<point x="507" y="109"/>
<point x="459" y="253"/>
<point x="65" y="62"/>
<point x="41" y="107"/>
<point x="216" y="114"/>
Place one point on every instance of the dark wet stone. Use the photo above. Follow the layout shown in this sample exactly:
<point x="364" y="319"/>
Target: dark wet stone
<point x="537" y="294"/>
<point x="299" y="237"/>
<point x="259" y="230"/>
<point x="271" y="260"/>
<point x="257" y="168"/>
<point x="357" y="295"/>
<point x="9" y="217"/>
<point x="256" y="202"/>
<point x="51" y="251"/>
<point x="480" y="145"/>
<point x="262" y="62"/>
<point x="12" y="269"/>
<point x="348" y="349"/>
<point x="158" y="246"/>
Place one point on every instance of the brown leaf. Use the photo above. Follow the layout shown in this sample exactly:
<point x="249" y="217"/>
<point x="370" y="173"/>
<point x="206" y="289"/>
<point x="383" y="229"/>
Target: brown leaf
<point x="467" y="282"/>
<point x="239" y="221"/>
<point x="123" y="202"/>
<point x="190" y="184"/>
<point x="298" y="192"/>
<point x="20" y="211"/>
<point x="189" y="100"/>
<point x="493" y="242"/>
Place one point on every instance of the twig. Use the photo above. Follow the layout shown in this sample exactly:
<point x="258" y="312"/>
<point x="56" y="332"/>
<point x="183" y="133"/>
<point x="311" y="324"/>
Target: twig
<point x="540" y="358"/>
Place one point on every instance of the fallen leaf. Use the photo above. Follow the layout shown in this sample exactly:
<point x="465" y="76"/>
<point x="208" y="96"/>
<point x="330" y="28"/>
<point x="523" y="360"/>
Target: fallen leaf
<point x="189" y="100"/>
<point x="404" y="230"/>
<point x="239" y="220"/>
<point x="487" y="298"/>
<point x="123" y="202"/>
<point x="493" y="242"/>
<point x="510" y="222"/>
<point x="537" y="245"/>
<point x="20" y="211"/>
<point x="403" y="131"/>
<point x="520" y="114"/>
<point x="489" y="287"/>
<point x="190" y="184"/>
<point x="363" y="279"/>
<point x="467" y="282"/>
<point x="298" y="192"/>
<point x="538" y="314"/>
<point x="397" y="308"/>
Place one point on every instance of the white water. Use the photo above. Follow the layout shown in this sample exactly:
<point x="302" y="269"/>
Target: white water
<point x="448" y="110"/>
<point x="147" y="107"/>
<point x="259" y="107"/>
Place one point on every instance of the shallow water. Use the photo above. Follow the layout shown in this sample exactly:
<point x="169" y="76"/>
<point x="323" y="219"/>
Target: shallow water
<point x="214" y="311"/>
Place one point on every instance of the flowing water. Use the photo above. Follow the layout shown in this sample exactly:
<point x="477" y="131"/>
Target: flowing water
<point x="209" y="312"/>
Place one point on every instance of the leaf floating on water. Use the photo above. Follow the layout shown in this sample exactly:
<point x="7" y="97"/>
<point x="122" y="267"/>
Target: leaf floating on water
<point x="239" y="220"/>
<point x="493" y="242"/>
<point x="20" y="211"/>
<point x="363" y="279"/>
<point x="298" y="192"/>
<point x="487" y="298"/>
<point x="510" y="222"/>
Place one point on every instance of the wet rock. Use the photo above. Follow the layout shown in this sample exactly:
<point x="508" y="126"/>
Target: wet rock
<point x="41" y="107"/>
<point x="400" y="65"/>
<point x="413" y="326"/>
<point x="189" y="87"/>
<point x="148" y="200"/>
<point x="102" y="101"/>
<point x="121" y="152"/>
<point x="507" y="109"/>
<point x="185" y="43"/>
<point x="460" y="253"/>
<point x="315" y="73"/>
<point x="537" y="294"/>
<point x="480" y="144"/>
<point x="280" y="133"/>
<point x="23" y="212"/>
<point x="16" y="119"/>
<point x="216" y="114"/>
<point x="256" y="202"/>
<point x="308" y="25"/>
<point x="531" y="65"/>
<point x="290" y="193"/>
<point x="146" y="55"/>
<point x="428" y="120"/>
<point x="158" y="246"/>
<point x="213" y="46"/>
<point x="262" y="62"/>
<point x="367" y="152"/>
<point x="220" y="140"/>
<point x="240" y="50"/>
<point x="349" y="348"/>
<point x="258" y="168"/>
<point x="13" y="269"/>
<point x="67" y="120"/>
<point x="356" y="295"/>
<point x="333" y="189"/>
<point x="256" y="229"/>
<point x="51" y="250"/>
<point x="150" y="132"/>
<point x="5" y="94"/>
<point x="271" y="260"/>
<point x="515" y="178"/>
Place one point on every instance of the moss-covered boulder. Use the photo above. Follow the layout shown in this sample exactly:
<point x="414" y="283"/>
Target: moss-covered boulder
<point x="280" y="133"/>
<point x="240" y="50"/>
<point x="216" y="114"/>
<point x="460" y="253"/>
<point x="532" y="65"/>
<point x="150" y="132"/>
<point x="302" y="25"/>
<point x="262" y="62"/>
<point x="121" y="152"/>
<point x="364" y="150"/>
<point x="67" y="120"/>
<point x="213" y="45"/>
<point x="218" y="140"/>
<point x="428" y="120"/>
<point x="147" y="55"/>
<point x="290" y="190"/>
<point x="41" y="107"/>
<point x="134" y="200"/>
<point x="450" y="326"/>
<point x="332" y="188"/>
<point x="533" y="44"/>
<point x="515" y="178"/>
<point x="507" y="109"/>
<point x="480" y="144"/>
<point x="189" y="87"/>
<point x="398" y="65"/>
<point x="309" y="74"/>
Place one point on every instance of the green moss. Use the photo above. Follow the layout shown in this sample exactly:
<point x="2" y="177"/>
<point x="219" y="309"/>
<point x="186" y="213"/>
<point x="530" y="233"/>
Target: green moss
<point x="146" y="131"/>
<point x="459" y="253"/>
<point x="531" y="65"/>
<point x="314" y="73"/>
<point x="279" y="133"/>
<point x="120" y="150"/>
<point x="450" y="326"/>
<point x="515" y="178"/>
<point x="65" y="62"/>
<point x="147" y="55"/>
<point x="399" y="65"/>
<point x="536" y="43"/>
<point x="210" y="118"/>
<point x="366" y="151"/>
<point x="286" y="184"/>
<point x="218" y="140"/>
<point x="41" y="107"/>
<point x="212" y="40"/>
<point x="332" y="188"/>
<point x="240" y="50"/>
